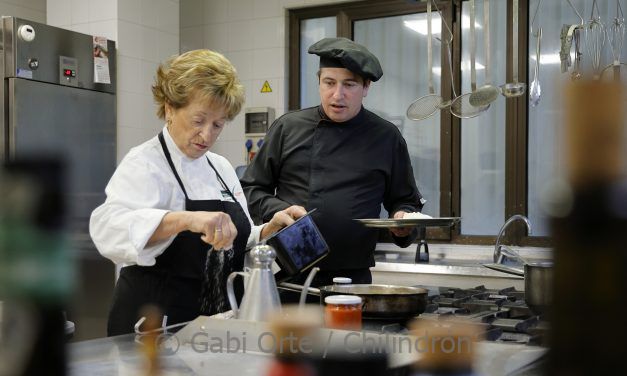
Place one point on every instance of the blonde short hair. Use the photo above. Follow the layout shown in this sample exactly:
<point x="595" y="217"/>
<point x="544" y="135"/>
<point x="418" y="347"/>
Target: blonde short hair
<point x="203" y="74"/>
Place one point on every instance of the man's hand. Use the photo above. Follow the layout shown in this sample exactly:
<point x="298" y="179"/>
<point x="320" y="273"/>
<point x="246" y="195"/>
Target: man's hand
<point x="400" y="232"/>
<point x="282" y="219"/>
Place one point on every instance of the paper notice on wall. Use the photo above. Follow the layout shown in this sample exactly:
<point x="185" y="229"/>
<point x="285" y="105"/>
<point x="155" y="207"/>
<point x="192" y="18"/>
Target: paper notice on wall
<point x="101" y="61"/>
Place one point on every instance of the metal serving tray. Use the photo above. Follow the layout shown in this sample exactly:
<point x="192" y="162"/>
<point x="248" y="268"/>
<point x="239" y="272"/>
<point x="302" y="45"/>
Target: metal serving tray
<point x="409" y="222"/>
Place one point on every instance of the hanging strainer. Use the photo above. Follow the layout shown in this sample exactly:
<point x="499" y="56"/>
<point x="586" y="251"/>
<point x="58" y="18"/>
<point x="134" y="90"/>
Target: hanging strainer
<point x="461" y="106"/>
<point x="425" y="106"/>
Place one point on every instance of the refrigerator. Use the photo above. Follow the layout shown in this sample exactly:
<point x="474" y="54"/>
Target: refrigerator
<point x="58" y="98"/>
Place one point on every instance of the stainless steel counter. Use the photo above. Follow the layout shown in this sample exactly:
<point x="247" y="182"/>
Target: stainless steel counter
<point x="449" y="265"/>
<point x="209" y="346"/>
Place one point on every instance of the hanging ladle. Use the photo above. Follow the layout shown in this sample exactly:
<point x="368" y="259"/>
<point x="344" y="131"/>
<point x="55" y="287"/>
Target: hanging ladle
<point x="535" y="91"/>
<point x="488" y="93"/>
<point x="515" y="88"/>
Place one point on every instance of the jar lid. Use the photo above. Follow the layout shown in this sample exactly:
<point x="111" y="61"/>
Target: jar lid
<point x="342" y="280"/>
<point x="342" y="299"/>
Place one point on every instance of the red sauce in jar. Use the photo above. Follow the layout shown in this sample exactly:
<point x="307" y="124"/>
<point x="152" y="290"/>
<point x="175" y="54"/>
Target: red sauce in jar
<point x="343" y="312"/>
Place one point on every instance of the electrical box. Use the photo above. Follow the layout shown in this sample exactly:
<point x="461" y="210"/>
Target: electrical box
<point x="257" y="122"/>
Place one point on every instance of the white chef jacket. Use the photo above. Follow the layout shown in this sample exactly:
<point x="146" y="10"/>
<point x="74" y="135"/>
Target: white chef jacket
<point x="143" y="189"/>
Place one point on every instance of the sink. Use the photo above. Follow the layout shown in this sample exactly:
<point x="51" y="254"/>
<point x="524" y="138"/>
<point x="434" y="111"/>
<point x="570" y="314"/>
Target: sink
<point x="449" y="264"/>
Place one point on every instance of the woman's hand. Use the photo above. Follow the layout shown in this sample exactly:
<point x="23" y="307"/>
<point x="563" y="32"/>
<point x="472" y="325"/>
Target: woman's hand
<point x="216" y="228"/>
<point x="282" y="219"/>
<point x="400" y="232"/>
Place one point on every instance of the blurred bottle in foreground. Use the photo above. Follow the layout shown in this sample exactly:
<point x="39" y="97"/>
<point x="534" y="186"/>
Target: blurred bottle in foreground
<point x="293" y="334"/>
<point x="444" y="348"/>
<point x="36" y="274"/>
<point x="589" y="229"/>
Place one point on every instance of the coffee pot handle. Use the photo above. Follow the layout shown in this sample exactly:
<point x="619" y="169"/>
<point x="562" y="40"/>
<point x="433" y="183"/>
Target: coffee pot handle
<point x="231" y="293"/>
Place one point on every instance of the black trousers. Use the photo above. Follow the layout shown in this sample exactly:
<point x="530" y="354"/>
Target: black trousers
<point x="324" y="278"/>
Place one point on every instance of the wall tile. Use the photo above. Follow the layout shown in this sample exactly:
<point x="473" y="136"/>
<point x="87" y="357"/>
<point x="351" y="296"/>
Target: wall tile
<point x="191" y="38"/>
<point x="81" y="28"/>
<point x="292" y="3"/>
<point x="167" y="16"/>
<point x="271" y="99"/>
<point x="240" y="35"/>
<point x="129" y="137"/>
<point x="234" y="131"/>
<point x="232" y="150"/>
<point x="148" y="71"/>
<point x="129" y="105"/>
<point x="38" y="5"/>
<point x="22" y="12"/>
<point x="130" y="10"/>
<point x="192" y="13"/>
<point x="58" y="12"/>
<point x="150" y="49"/>
<point x="129" y="74"/>
<point x="105" y="29"/>
<point x="269" y="32"/>
<point x="269" y="63"/>
<point x="150" y="13"/>
<point x="215" y="37"/>
<point x="130" y="38"/>
<point x="215" y="11"/>
<point x="239" y="10"/>
<point x="100" y="10"/>
<point x="168" y="45"/>
<point x="80" y="11"/>
<point x="249" y="86"/>
<point x="243" y="62"/>
<point x="148" y="111"/>
<point x="267" y="8"/>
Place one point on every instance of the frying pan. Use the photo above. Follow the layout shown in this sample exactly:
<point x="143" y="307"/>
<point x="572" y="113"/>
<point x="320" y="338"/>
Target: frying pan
<point x="379" y="301"/>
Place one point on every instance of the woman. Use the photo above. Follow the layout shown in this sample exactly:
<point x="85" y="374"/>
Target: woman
<point x="175" y="217"/>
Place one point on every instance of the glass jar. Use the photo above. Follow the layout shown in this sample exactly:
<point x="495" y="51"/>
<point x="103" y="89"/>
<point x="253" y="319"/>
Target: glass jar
<point x="343" y="312"/>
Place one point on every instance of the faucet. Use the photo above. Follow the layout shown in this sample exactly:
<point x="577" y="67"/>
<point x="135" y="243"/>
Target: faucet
<point x="498" y="248"/>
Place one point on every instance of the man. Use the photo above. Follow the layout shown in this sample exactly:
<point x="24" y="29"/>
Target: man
<point x="339" y="158"/>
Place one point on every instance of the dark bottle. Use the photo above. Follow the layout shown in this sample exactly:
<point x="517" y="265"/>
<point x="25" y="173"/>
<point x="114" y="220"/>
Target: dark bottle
<point x="35" y="269"/>
<point x="589" y="229"/>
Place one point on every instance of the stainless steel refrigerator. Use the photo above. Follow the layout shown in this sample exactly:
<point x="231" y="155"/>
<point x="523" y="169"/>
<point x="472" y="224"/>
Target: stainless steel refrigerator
<point x="52" y="104"/>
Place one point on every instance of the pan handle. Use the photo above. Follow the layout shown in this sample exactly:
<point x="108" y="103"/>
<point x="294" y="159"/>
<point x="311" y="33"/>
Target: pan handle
<point x="505" y="269"/>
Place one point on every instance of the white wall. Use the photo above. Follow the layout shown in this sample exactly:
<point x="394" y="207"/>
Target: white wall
<point x="147" y="33"/>
<point x="252" y="34"/>
<point x="33" y="10"/>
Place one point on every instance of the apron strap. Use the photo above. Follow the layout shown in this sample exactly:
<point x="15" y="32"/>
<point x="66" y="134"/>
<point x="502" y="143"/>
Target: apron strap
<point x="222" y="181"/>
<point x="167" y="156"/>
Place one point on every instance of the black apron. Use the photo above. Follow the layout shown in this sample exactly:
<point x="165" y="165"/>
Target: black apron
<point x="188" y="278"/>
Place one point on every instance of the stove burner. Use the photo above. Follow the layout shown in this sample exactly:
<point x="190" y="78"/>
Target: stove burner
<point x="501" y="314"/>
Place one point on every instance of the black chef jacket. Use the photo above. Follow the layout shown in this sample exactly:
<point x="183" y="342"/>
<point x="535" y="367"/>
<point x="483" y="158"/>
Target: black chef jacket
<point x="345" y="170"/>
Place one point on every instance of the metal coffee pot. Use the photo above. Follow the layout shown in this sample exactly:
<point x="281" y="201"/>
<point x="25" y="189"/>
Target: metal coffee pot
<point x="261" y="296"/>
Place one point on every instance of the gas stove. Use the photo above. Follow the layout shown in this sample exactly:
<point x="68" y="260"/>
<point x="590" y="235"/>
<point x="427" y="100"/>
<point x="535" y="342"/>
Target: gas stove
<point x="501" y="315"/>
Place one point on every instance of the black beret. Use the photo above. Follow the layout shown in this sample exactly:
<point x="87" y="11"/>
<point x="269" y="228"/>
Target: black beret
<point x="343" y="52"/>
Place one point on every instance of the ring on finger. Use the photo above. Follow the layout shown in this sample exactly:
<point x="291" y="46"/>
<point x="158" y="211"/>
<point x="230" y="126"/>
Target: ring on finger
<point x="218" y="230"/>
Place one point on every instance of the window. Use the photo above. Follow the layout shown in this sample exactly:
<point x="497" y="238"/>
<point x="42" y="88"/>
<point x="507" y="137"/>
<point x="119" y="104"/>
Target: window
<point x="484" y="169"/>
